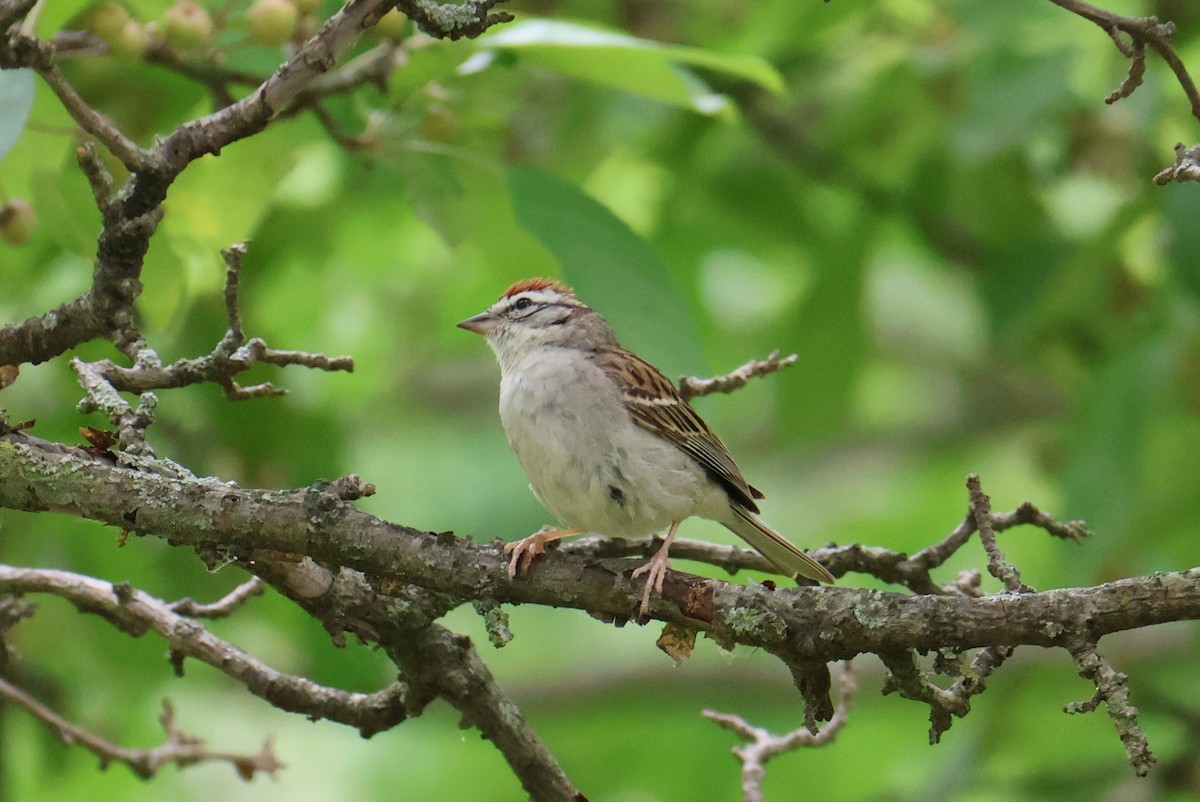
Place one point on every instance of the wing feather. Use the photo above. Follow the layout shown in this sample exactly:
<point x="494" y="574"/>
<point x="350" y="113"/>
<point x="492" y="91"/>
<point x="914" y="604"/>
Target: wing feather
<point x="655" y="404"/>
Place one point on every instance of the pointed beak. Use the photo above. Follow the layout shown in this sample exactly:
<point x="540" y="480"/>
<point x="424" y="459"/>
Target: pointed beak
<point x="482" y="323"/>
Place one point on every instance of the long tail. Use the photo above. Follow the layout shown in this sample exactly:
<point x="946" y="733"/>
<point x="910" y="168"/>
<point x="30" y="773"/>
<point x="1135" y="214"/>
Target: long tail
<point x="775" y="547"/>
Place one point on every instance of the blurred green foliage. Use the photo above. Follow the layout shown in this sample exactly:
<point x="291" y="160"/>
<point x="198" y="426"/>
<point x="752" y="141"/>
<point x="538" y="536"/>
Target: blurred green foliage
<point x="927" y="201"/>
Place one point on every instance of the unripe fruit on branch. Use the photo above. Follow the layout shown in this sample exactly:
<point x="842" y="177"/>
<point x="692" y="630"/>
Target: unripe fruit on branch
<point x="187" y="26"/>
<point x="17" y="221"/>
<point x="272" y="22"/>
<point x="108" y="20"/>
<point x="130" y="41"/>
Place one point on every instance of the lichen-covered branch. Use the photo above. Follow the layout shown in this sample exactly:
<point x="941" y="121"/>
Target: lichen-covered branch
<point x="35" y="475"/>
<point x="454" y="20"/>
<point x="434" y="661"/>
<point x="891" y="566"/>
<point x="1112" y="688"/>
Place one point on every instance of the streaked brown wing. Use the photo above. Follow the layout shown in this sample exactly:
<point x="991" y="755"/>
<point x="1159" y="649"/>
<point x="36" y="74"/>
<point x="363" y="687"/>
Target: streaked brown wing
<point x="656" y="405"/>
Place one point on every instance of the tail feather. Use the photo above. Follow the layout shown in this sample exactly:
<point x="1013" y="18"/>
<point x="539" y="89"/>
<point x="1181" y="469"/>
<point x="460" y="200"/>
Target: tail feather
<point x="775" y="547"/>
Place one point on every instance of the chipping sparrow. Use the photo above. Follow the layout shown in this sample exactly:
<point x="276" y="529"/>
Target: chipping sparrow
<point x="608" y="443"/>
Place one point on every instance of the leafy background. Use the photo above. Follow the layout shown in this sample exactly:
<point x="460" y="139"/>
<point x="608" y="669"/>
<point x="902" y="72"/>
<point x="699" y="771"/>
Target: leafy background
<point x="927" y="201"/>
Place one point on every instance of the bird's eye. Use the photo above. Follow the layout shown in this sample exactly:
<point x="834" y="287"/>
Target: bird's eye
<point x="521" y="304"/>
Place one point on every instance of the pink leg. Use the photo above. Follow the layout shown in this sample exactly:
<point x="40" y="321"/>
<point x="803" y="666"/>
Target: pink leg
<point x="656" y="569"/>
<point x="521" y="552"/>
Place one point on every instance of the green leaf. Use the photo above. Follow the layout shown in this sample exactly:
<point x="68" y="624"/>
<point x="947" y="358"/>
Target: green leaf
<point x="640" y="66"/>
<point x="16" y="99"/>
<point x="612" y="268"/>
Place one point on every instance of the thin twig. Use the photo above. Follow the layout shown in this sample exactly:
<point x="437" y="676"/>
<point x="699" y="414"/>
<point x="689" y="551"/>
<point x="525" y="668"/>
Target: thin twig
<point x="981" y="511"/>
<point x="136" y="612"/>
<point x="1142" y="31"/>
<point x="1185" y="168"/>
<point x="692" y="387"/>
<point x="1112" y="687"/>
<point x="763" y="745"/>
<point x="179" y="749"/>
<point x="224" y="607"/>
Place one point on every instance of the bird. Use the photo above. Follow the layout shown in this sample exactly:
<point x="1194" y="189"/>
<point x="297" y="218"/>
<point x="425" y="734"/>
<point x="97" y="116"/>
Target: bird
<point x="608" y="443"/>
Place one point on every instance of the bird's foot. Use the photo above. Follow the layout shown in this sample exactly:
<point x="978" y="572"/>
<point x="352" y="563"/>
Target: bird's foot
<point x="656" y="571"/>
<point x="521" y="552"/>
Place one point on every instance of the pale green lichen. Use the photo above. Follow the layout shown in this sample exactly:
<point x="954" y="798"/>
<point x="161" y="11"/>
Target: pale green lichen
<point x="756" y="624"/>
<point x="449" y="16"/>
<point x="871" y="612"/>
<point x="1052" y="630"/>
<point x="495" y="621"/>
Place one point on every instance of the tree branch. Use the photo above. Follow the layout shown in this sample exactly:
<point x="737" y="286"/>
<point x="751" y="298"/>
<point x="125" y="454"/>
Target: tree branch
<point x="764" y="745"/>
<point x="453" y="20"/>
<point x="1142" y="31"/>
<point x="179" y="749"/>
<point x="135" y="612"/>
<point x="1185" y="168"/>
<point x="132" y="216"/>
<point x="35" y="476"/>
<point x="223" y="607"/>
<point x="692" y="387"/>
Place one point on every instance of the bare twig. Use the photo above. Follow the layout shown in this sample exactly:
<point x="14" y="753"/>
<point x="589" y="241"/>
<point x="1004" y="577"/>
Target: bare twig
<point x="232" y="355"/>
<point x="179" y="749"/>
<point x="981" y="511"/>
<point x="763" y="745"/>
<point x="131" y="423"/>
<point x="692" y="387"/>
<point x="217" y="77"/>
<point x="132" y="216"/>
<point x="136" y="612"/>
<point x="890" y="566"/>
<point x="19" y="49"/>
<point x="1142" y="31"/>
<point x="224" y="607"/>
<point x="1185" y="168"/>
<point x="1112" y="688"/>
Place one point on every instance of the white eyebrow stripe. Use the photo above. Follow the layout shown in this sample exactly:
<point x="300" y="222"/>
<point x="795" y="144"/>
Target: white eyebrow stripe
<point x="536" y="296"/>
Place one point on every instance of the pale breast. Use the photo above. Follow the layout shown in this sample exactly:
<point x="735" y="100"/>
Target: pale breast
<point x="589" y="464"/>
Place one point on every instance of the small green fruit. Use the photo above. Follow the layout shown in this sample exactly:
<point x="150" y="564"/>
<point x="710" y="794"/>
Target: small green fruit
<point x="131" y="41"/>
<point x="187" y="26"/>
<point x="108" y="20"/>
<point x="17" y="221"/>
<point x="272" y="22"/>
